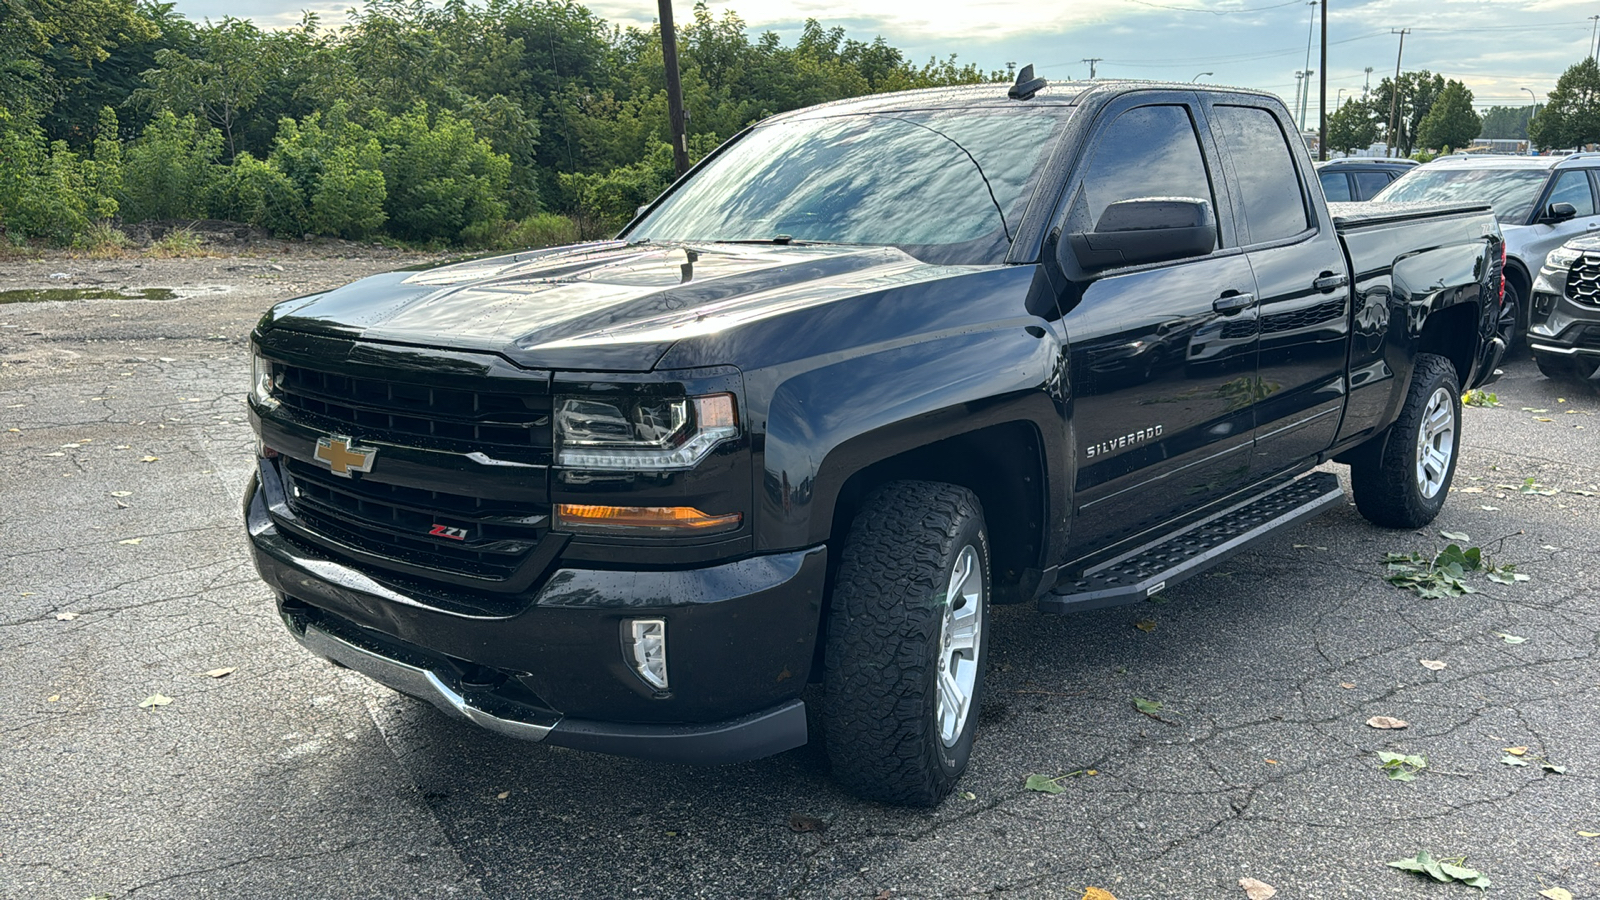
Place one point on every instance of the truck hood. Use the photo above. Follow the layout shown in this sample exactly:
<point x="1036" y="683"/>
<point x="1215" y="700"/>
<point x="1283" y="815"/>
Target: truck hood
<point x="610" y="306"/>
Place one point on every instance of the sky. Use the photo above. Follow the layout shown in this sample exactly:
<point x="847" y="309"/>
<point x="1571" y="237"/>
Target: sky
<point x="1501" y="51"/>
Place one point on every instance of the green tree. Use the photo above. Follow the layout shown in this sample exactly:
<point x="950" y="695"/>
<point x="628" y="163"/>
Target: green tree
<point x="1417" y="93"/>
<point x="1451" y="122"/>
<point x="1352" y="127"/>
<point x="170" y="171"/>
<point x="1506" y="122"/>
<point x="443" y="180"/>
<point x="220" y="85"/>
<point x="1571" y="114"/>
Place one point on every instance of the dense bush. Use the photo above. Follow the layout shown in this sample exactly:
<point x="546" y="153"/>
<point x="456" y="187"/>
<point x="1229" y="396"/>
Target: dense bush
<point x="444" y="181"/>
<point x="171" y="171"/>
<point x="48" y="191"/>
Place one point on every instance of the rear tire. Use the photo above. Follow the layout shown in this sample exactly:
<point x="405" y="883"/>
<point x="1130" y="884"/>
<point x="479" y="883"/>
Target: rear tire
<point x="1405" y="484"/>
<point x="906" y="645"/>
<point x="1513" y="324"/>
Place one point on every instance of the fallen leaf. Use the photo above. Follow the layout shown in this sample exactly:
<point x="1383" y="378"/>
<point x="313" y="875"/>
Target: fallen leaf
<point x="1589" y="834"/>
<point x="149" y="459"/>
<point x="1257" y="890"/>
<point x="122" y="493"/>
<point x="502" y="795"/>
<point x="1095" y="893"/>
<point x="1552" y="768"/>
<point x="1508" y="638"/>
<point x="134" y="541"/>
<point x="1145" y="625"/>
<point x="1433" y="664"/>
<point x="1454" y="536"/>
<point x="1468" y="490"/>
<point x="221" y="673"/>
<point x="55" y="454"/>
<point x="968" y="795"/>
<point x="155" y="700"/>
<point x="1513" y="761"/>
<point x="1543" y="419"/>
<point x="66" y="616"/>
<point x="1347" y="685"/>
<point x="1044" y="784"/>
<point x="1271" y="762"/>
<point x="1387" y="722"/>
<point x="1556" y="893"/>
<point x="1516" y="751"/>
<point x="1490" y="508"/>
<point x="1148" y="707"/>
<point x="52" y="698"/>
<point x="799" y="823"/>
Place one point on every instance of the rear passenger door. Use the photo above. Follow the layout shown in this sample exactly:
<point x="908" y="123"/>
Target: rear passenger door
<point x="1302" y="283"/>
<point x="1157" y="430"/>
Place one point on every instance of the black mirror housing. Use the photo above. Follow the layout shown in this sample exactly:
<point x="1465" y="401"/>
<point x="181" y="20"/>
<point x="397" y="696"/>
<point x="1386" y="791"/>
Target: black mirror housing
<point x="1556" y="213"/>
<point x="1147" y="229"/>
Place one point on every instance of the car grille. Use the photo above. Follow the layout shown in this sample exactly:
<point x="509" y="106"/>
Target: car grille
<point x="506" y="425"/>
<point x="392" y="521"/>
<point x="1583" y="281"/>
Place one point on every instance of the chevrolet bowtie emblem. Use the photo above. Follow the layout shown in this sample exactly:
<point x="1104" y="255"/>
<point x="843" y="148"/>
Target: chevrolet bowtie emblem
<point x="343" y="457"/>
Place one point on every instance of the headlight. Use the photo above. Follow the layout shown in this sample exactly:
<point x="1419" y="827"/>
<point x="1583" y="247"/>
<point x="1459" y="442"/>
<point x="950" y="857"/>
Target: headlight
<point x="1562" y="258"/>
<point x="261" y="381"/>
<point x="642" y="433"/>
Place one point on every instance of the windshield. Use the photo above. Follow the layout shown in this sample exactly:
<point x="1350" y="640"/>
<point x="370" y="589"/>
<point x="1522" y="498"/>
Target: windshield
<point x="1511" y="192"/>
<point x="947" y="186"/>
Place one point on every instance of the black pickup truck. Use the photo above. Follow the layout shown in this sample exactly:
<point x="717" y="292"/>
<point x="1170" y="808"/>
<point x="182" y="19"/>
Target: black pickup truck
<point x="866" y="369"/>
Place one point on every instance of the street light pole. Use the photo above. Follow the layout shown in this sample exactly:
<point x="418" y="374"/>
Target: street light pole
<point x="1394" y="88"/>
<point x="1201" y="75"/>
<point x="1322" y="93"/>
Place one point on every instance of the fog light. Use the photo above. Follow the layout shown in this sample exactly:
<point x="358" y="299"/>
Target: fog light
<point x="647" y="643"/>
<point x="265" y="452"/>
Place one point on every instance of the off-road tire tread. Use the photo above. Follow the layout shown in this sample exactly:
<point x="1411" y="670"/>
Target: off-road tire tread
<point x="883" y="635"/>
<point x="1385" y="486"/>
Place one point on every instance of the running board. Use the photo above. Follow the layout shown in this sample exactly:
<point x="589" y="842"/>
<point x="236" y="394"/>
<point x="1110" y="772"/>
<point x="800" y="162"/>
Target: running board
<point x="1141" y="572"/>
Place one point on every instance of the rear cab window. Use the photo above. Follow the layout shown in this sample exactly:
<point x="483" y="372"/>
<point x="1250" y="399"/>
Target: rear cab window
<point x="1267" y="181"/>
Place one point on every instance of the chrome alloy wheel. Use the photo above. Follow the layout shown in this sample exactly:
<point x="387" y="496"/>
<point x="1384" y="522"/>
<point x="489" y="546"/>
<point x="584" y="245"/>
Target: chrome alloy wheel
<point x="1436" y="442"/>
<point x="959" y="639"/>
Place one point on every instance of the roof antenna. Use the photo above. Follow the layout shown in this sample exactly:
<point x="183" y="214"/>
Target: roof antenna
<point x="1026" y="85"/>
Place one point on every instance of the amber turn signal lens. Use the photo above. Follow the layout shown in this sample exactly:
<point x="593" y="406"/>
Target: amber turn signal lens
<point x="635" y="519"/>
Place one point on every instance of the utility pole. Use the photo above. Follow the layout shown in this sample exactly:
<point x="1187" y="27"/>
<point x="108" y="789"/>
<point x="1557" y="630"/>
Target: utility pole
<point x="1594" y="34"/>
<point x="1366" y="88"/>
<point x="1322" y="94"/>
<point x="1299" y="84"/>
<point x="669" y="54"/>
<point x="1305" y="96"/>
<point x="1394" y="88"/>
<point x="1091" y="61"/>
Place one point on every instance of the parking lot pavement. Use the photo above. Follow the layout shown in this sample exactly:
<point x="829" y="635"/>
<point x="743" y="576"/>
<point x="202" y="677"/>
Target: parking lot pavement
<point x="123" y="577"/>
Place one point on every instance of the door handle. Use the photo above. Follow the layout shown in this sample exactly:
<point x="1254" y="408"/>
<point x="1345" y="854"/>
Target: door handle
<point x="1329" y="282"/>
<point x="1233" y="303"/>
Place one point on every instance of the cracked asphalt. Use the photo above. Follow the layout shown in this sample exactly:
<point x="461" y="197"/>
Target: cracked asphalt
<point x="122" y="579"/>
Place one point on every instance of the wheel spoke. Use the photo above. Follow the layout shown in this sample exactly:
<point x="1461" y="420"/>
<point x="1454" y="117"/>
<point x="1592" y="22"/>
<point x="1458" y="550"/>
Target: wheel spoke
<point x="951" y="697"/>
<point x="958" y="578"/>
<point x="963" y="634"/>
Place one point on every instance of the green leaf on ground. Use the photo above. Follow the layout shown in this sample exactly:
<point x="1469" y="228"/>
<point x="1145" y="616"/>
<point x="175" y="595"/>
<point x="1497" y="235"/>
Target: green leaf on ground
<point x="1509" y="638"/>
<point x="1148" y="707"/>
<point x="1445" y="871"/>
<point x="1510" y="760"/>
<point x="1401" y="766"/>
<point x="1044" y="784"/>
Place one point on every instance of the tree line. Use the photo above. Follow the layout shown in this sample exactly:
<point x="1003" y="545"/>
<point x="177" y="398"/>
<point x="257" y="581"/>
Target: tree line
<point x="1427" y="112"/>
<point x="492" y="123"/>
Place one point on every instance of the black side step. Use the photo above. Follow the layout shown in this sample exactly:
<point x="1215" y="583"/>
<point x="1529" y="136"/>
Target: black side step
<point x="1145" y="570"/>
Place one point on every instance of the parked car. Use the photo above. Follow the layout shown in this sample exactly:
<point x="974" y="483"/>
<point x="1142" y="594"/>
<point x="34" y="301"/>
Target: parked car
<point x="1358" y="178"/>
<point x="865" y="369"/>
<point x="1564" y="323"/>
<point x="1541" y="201"/>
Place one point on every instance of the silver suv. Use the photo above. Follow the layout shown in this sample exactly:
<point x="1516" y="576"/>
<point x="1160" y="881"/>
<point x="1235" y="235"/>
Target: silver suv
<point x="1541" y="201"/>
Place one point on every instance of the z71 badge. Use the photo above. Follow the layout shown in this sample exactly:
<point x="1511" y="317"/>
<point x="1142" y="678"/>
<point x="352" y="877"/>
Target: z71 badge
<point x="451" y="532"/>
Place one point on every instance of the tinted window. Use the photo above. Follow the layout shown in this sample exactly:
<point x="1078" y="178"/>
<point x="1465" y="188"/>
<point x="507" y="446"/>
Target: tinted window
<point x="1335" y="185"/>
<point x="1274" y="207"/>
<point x="1573" y="187"/>
<point x="1511" y="192"/>
<point x="949" y="185"/>
<point x="1369" y="183"/>
<point x="1151" y="151"/>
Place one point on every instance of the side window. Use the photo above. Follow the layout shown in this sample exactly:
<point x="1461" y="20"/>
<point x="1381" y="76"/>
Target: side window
<point x="1572" y="186"/>
<point x="1369" y="183"/>
<point x="1335" y="186"/>
<point x="1269" y="187"/>
<point x="1150" y="151"/>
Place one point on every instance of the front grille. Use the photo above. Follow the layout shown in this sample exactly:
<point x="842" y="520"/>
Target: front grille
<point x="1583" y="281"/>
<point x="503" y="424"/>
<point x="394" y="522"/>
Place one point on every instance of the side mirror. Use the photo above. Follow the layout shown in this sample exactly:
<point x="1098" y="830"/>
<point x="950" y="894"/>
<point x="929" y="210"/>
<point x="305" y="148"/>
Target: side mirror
<point x="1147" y="229"/>
<point x="1558" y="213"/>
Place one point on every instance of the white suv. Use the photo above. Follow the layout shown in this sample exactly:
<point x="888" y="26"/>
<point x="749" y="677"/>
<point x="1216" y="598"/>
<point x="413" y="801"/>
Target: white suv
<point x="1541" y="201"/>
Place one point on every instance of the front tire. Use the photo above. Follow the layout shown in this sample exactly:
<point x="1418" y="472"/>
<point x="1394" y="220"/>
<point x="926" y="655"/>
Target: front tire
<point x="1513" y="323"/>
<point x="907" y="641"/>
<point x="1406" y="483"/>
